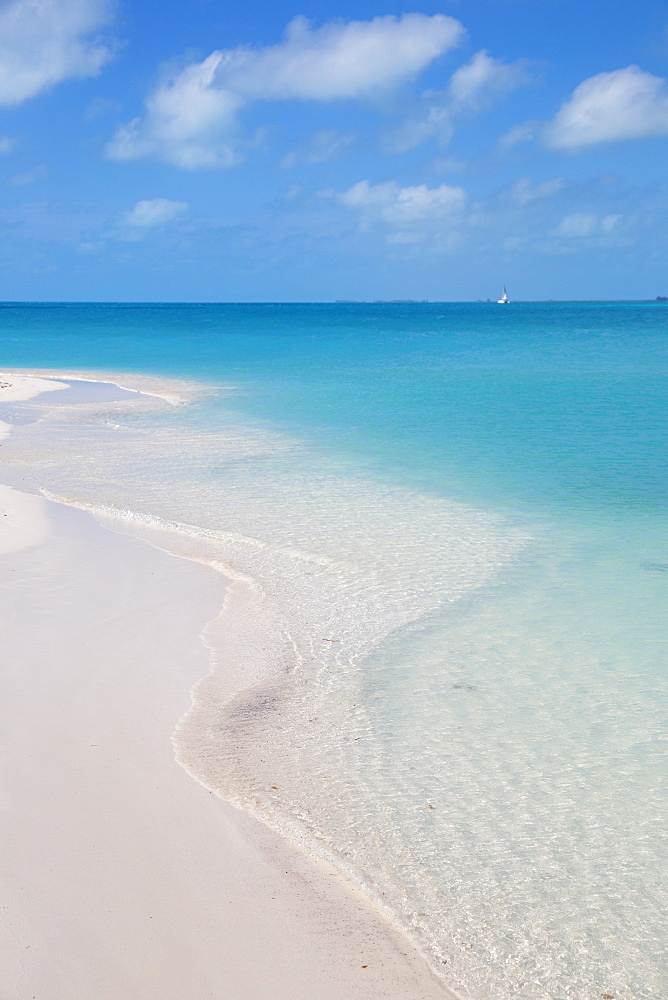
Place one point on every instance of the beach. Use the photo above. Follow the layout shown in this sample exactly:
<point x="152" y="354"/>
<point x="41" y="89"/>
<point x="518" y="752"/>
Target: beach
<point x="362" y="602"/>
<point x="333" y="502"/>
<point x="122" y="876"/>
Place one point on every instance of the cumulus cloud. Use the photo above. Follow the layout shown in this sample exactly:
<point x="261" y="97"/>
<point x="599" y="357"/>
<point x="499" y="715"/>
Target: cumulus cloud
<point x="472" y="88"/>
<point x="388" y="202"/>
<point x="350" y="60"/>
<point x="45" y="41"/>
<point x="191" y="116"/>
<point x="482" y="80"/>
<point x="188" y="121"/>
<point x="625" y="104"/>
<point x="153" y="212"/>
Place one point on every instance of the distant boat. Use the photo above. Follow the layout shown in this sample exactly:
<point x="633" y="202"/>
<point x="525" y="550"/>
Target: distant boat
<point x="504" y="300"/>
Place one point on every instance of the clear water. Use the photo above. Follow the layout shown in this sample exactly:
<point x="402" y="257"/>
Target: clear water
<point x="443" y="658"/>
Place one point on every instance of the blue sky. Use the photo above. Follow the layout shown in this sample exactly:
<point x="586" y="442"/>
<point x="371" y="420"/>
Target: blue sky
<point x="208" y="151"/>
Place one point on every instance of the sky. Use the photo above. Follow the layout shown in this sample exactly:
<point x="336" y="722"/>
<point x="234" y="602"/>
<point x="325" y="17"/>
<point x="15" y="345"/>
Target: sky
<point x="318" y="151"/>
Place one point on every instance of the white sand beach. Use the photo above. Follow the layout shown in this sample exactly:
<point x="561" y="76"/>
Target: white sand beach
<point x="122" y="877"/>
<point x="15" y="386"/>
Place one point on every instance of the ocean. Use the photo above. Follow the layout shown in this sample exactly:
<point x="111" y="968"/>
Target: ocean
<point x="441" y="663"/>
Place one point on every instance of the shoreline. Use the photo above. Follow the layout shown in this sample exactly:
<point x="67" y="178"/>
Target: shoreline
<point x="30" y="382"/>
<point x="455" y="556"/>
<point x="319" y="937"/>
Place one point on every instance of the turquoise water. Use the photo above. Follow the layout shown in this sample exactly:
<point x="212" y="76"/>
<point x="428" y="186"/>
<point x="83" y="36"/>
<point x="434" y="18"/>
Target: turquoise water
<point x="547" y="403"/>
<point x="443" y="660"/>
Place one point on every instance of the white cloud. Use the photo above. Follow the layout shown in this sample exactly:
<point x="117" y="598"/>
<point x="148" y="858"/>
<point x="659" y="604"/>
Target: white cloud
<point x="482" y="80"/>
<point x="191" y="117"/>
<point x="189" y="121"/>
<point x="625" y="104"/>
<point x="339" y="60"/>
<point x="153" y="212"/>
<point x="323" y="145"/>
<point x="45" y="41"/>
<point x="472" y="88"/>
<point x="7" y="144"/>
<point x="404" y="205"/>
<point x="581" y="224"/>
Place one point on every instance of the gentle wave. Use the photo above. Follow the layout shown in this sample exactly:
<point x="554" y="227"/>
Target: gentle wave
<point x="404" y="685"/>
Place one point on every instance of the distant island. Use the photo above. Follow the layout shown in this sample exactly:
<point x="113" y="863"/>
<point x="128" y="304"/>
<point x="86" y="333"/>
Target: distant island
<point x="392" y="302"/>
<point x="377" y="302"/>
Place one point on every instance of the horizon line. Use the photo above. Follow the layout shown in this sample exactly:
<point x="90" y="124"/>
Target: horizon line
<point x="314" y="302"/>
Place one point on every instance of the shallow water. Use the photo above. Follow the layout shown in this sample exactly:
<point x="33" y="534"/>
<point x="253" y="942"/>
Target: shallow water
<point x="442" y="662"/>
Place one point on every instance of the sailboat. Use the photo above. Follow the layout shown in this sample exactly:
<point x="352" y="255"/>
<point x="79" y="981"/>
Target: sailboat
<point x="504" y="300"/>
